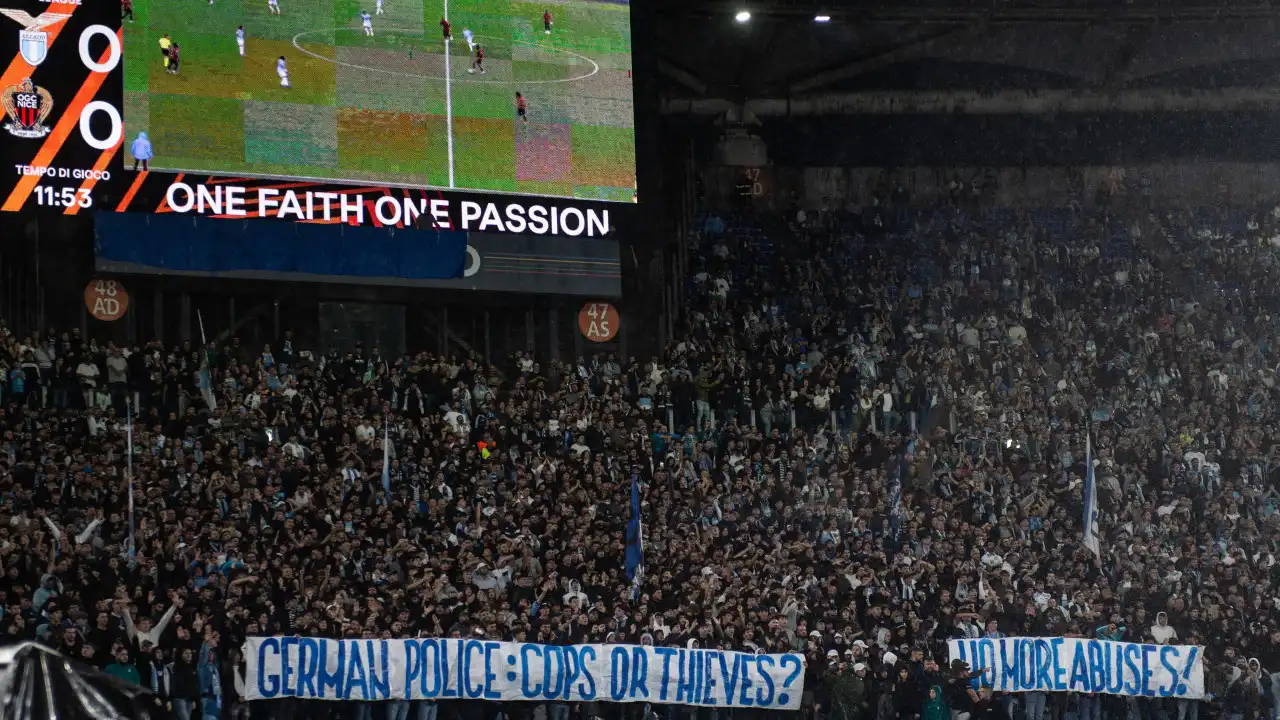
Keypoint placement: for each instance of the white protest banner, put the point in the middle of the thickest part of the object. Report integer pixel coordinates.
(1058, 664)
(429, 669)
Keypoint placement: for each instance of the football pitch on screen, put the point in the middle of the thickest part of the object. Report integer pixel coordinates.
(395, 106)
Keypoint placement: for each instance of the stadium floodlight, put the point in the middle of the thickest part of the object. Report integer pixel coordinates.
(822, 18)
(742, 16)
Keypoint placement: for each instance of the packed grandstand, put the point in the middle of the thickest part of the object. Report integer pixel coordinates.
(862, 444)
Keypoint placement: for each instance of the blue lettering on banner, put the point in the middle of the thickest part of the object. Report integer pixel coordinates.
(1131, 655)
(379, 682)
(1044, 664)
(570, 672)
(1079, 667)
(618, 680)
(587, 691)
(286, 686)
(764, 696)
(432, 668)
(308, 664)
(1027, 663)
(490, 648)
(1115, 666)
(1058, 672)
(1097, 666)
(331, 682)
(1187, 669)
(745, 697)
(412, 666)
(530, 691)
(640, 673)
(553, 691)
(1166, 655)
(432, 655)
(986, 659)
(269, 687)
(355, 674)
(1063, 664)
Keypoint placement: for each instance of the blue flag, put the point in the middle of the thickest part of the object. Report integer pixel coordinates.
(1090, 499)
(386, 460)
(635, 541)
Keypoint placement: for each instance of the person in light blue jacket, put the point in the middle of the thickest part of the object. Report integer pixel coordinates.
(141, 150)
(210, 679)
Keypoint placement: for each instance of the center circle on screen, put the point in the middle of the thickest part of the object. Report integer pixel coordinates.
(595, 67)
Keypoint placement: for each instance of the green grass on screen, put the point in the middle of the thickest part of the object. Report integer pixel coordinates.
(375, 109)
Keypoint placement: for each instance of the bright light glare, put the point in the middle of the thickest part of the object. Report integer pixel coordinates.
(821, 18)
(742, 16)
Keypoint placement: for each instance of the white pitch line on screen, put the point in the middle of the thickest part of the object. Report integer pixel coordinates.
(448, 93)
(595, 67)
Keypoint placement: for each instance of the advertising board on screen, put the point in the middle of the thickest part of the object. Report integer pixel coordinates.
(497, 96)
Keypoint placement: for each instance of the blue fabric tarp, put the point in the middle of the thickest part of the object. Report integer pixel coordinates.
(180, 243)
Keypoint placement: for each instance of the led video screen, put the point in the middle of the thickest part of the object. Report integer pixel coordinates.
(487, 95)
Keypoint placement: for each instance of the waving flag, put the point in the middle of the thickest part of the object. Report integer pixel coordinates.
(1090, 500)
(897, 471)
(128, 418)
(386, 460)
(635, 540)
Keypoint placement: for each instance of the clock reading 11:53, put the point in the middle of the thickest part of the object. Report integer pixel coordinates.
(63, 198)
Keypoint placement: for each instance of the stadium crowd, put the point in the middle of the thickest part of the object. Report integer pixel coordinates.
(766, 439)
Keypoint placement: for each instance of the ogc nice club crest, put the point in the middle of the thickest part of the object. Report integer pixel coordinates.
(27, 107)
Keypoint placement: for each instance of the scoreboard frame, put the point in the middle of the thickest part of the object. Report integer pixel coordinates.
(61, 91)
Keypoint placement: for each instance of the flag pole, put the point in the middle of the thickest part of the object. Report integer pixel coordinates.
(1090, 496)
(386, 457)
(133, 544)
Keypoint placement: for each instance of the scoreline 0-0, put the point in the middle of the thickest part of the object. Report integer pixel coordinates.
(110, 64)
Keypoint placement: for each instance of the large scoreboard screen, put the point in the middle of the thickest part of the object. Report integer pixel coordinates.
(525, 97)
(61, 95)
(362, 97)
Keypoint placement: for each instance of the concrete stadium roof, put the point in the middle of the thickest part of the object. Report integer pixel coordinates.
(982, 46)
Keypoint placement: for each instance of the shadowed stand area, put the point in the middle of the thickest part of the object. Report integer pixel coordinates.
(37, 683)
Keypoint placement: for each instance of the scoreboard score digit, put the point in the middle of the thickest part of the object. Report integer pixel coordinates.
(61, 94)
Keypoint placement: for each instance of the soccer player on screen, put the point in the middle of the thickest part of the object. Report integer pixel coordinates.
(522, 109)
(175, 57)
(471, 39)
(142, 152)
(126, 10)
(378, 10)
(478, 63)
(445, 27)
(546, 20)
(282, 69)
(165, 44)
(240, 39)
(273, 6)
(366, 21)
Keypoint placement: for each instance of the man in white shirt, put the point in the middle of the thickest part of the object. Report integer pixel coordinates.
(87, 372)
(143, 632)
(1161, 632)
